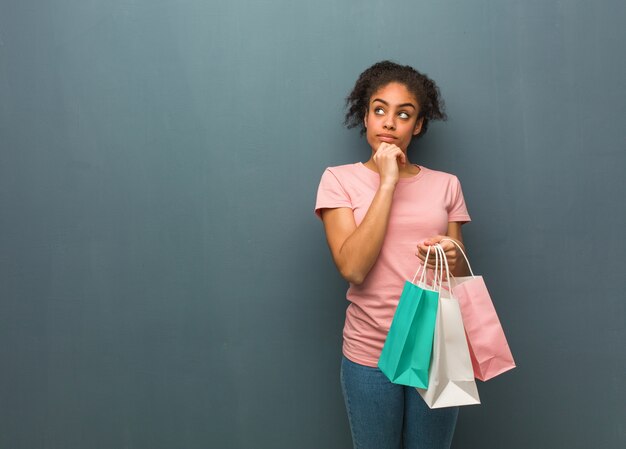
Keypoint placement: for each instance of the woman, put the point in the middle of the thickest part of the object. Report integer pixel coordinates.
(377, 215)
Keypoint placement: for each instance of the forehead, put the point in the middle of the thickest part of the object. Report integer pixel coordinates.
(394, 93)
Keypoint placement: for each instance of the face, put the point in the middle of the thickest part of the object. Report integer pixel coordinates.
(392, 117)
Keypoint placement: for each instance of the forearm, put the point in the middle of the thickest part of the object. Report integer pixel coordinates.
(360, 250)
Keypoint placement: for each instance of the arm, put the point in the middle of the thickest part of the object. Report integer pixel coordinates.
(356, 248)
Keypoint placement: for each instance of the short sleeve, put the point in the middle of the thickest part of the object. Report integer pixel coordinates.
(331, 194)
(457, 210)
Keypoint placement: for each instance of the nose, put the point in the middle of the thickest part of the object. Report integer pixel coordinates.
(389, 122)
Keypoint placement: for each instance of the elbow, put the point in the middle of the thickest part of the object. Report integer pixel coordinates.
(355, 280)
(350, 269)
(353, 277)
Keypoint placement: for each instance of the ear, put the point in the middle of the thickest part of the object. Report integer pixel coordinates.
(365, 118)
(418, 126)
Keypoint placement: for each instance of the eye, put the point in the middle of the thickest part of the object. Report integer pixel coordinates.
(404, 115)
(379, 111)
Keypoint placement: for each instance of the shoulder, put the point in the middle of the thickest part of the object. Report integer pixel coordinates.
(346, 175)
(438, 176)
(337, 187)
(447, 187)
(347, 170)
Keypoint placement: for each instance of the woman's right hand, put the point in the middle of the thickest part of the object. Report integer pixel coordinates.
(388, 157)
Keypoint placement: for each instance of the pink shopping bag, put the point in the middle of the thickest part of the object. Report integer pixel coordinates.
(489, 350)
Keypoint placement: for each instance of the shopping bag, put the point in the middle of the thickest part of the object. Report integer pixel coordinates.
(405, 358)
(489, 350)
(451, 377)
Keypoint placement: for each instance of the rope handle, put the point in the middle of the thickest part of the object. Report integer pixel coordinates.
(462, 252)
(442, 252)
(438, 271)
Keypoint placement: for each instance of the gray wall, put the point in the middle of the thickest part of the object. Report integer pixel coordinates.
(163, 281)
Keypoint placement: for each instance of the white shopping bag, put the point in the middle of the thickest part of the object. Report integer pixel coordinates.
(451, 376)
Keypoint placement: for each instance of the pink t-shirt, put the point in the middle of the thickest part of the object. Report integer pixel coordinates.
(422, 207)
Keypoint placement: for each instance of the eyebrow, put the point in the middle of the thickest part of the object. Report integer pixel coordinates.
(400, 105)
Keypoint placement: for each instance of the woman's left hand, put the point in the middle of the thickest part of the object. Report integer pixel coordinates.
(455, 259)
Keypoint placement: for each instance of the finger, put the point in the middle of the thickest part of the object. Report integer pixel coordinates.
(422, 251)
(382, 146)
(390, 148)
(422, 258)
(451, 255)
(401, 156)
(433, 240)
(387, 152)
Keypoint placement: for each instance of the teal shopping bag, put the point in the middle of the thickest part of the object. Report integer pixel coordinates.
(405, 358)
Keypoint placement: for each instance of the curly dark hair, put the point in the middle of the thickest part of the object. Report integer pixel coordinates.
(382, 73)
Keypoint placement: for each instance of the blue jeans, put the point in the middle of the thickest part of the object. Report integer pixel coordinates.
(384, 415)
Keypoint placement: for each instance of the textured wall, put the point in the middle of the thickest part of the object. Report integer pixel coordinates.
(163, 281)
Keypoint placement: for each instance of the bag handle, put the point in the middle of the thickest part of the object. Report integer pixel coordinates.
(462, 252)
(438, 269)
(442, 253)
(420, 267)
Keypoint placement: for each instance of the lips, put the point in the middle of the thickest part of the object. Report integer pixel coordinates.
(386, 137)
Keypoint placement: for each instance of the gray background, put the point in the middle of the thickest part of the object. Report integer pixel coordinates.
(164, 282)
